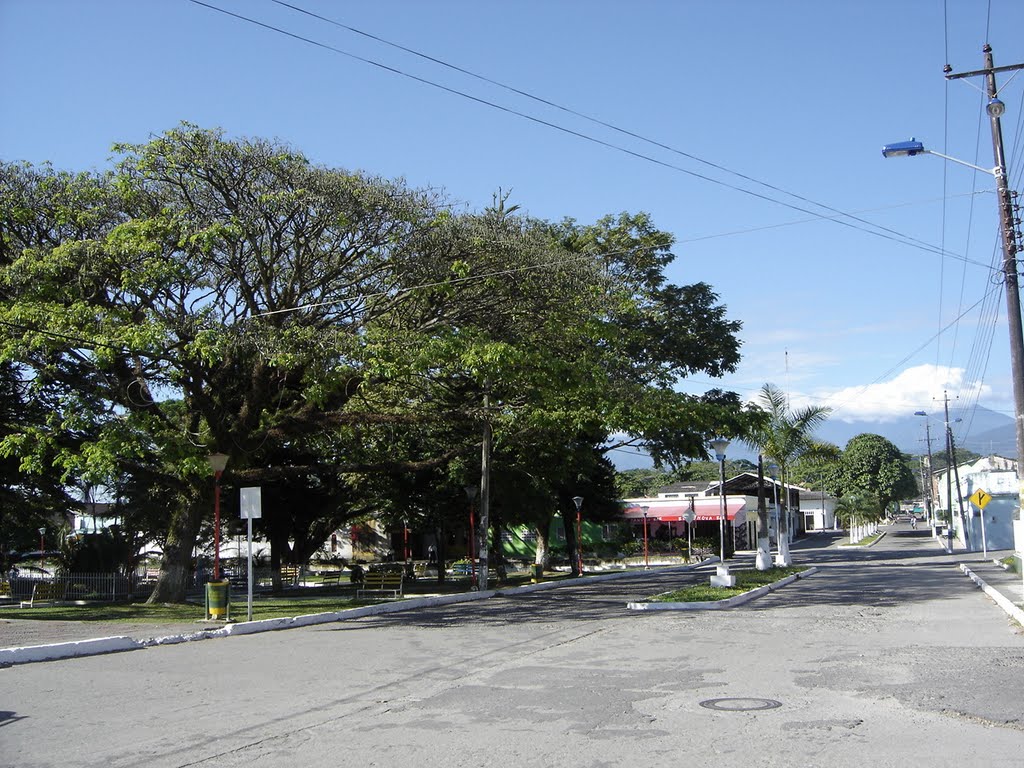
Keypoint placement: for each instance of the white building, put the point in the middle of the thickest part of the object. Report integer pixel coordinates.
(997, 477)
(818, 509)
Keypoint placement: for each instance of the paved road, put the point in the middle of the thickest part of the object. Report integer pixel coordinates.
(887, 656)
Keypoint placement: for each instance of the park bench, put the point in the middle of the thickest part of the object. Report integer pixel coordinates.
(381, 582)
(44, 592)
(290, 575)
(331, 579)
(462, 569)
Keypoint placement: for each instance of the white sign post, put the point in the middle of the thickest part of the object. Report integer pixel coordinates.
(251, 505)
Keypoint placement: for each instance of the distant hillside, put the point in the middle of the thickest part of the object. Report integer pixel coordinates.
(990, 432)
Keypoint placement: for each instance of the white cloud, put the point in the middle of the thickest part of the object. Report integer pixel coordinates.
(915, 389)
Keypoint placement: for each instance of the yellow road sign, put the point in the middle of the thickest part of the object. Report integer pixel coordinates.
(979, 498)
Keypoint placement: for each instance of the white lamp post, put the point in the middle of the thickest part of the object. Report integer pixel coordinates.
(722, 577)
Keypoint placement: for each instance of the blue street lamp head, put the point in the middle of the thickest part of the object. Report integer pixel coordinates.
(719, 446)
(904, 149)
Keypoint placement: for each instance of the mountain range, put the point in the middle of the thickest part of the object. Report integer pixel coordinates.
(986, 432)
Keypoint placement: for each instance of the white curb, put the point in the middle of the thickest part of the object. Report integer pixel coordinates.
(69, 650)
(1001, 600)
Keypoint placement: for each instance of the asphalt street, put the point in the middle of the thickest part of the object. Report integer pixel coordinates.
(886, 656)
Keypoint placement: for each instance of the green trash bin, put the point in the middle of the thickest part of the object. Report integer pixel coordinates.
(218, 600)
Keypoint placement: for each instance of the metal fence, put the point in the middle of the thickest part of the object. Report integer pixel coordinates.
(81, 586)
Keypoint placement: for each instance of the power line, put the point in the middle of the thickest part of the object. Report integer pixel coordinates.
(590, 118)
(878, 231)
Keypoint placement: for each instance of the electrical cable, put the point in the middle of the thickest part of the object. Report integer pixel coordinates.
(589, 118)
(879, 231)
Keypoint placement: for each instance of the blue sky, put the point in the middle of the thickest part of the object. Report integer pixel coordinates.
(797, 94)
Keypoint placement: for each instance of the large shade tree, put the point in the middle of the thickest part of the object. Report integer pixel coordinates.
(873, 465)
(228, 295)
(163, 299)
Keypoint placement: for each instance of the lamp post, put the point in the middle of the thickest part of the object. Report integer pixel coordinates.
(773, 471)
(1008, 230)
(217, 463)
(722, 577)
(647, 562)
(578, 501)
(689, 516)
(42, 547)
(471, 491)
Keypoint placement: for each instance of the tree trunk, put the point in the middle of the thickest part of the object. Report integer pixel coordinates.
(176, 564)
(784, 558)
(542, 556)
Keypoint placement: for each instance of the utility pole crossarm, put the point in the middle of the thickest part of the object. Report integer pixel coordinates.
(987, 71)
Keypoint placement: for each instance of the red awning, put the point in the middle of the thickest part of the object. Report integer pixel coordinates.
(707, 508)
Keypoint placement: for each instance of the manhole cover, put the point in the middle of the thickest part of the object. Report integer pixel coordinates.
(740, 705)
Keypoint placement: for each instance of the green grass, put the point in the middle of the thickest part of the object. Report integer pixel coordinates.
(745, 581)
(865, 542)
(264, 606)
(169, 613)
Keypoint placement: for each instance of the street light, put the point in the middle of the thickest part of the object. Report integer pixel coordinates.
(689, 516)
(647, 562)
(578, 501)
(1008, 230)
(42, 542)
(217, 463)
(914, 147)
(773, 471)
(722, 578)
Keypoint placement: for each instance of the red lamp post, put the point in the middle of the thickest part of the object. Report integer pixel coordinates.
(647, 562)
(217, 463)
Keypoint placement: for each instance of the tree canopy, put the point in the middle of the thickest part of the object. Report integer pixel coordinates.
(871, 464)
(324, 327)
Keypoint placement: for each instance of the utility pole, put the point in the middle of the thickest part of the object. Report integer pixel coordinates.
(949, 472)
(1010, 236)
(485, 489)
(927, 480)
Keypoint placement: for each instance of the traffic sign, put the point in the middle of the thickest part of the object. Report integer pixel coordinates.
(980, 498)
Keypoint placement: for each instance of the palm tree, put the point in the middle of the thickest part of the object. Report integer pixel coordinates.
(782, 436)
(857, 508)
